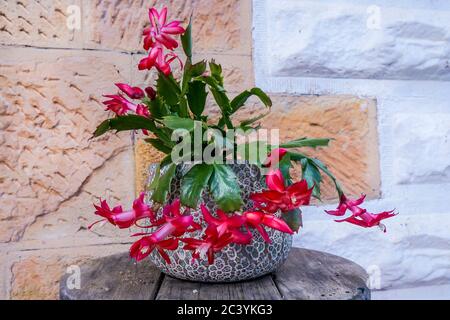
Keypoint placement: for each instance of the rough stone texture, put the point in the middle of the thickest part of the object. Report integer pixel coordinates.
(431, 162)
(39, 23)
(116, 24)
(5, 271)
(354, 40)
(49, 107)
(145, 154)
(351, 122)
(37, 276)
(113, 181)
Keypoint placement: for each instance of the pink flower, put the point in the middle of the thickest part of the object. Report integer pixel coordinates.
(142, 110)
(280, 197)
(160, 30)
(172, 224)
(144, 246)
(359, 215)
(119, 105)
(209, 245)
(221, 231)
(345, 204)
(124, 219)
(131, 92)
(258, 219)
(156, 58)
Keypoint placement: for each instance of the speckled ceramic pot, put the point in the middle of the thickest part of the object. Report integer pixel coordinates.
(235, 262)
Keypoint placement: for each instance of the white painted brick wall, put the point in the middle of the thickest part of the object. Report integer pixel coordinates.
(338, 47)
(346, 39)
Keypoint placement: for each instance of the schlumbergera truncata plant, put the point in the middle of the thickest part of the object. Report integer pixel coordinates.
(215, 209)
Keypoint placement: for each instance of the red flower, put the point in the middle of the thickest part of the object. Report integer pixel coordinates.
(223, 222)
(359, 215)
(124, 219)
(157, 36)
(209, 245)
(160, 30)
(132, 92)
(345, 204)
(142, 110)
(172, 224)
(280, 197)
(258, 219)
(156, 58)
(144, 246)
(119, 105)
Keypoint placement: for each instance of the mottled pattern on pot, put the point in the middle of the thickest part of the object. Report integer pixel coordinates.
(235, 262)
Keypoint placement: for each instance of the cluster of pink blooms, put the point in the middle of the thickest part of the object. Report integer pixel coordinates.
(157, 39)
(121, 106)
(222, 228)
(118, 104)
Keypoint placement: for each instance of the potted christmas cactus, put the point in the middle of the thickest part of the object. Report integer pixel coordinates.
(219, 206)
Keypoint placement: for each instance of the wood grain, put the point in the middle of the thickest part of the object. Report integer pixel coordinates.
(259, 289)
(113, 278)
(314, 275)
(307, 274)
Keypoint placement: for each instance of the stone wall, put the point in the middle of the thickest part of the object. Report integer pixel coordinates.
(398, 55)
(51, 81)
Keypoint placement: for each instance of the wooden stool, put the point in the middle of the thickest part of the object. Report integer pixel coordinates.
(307, 274)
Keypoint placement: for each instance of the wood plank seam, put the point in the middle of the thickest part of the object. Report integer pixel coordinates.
(158, 285)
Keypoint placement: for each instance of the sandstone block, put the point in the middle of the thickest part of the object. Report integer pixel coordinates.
(37, 276)
(50, 107)
(349, 121)
(218, 26)
(41, 23)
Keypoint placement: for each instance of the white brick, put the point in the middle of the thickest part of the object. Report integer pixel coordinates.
(422, 148)
(347, 39)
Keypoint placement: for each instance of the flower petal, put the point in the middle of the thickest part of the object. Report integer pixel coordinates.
(276, 223)
(275, 180)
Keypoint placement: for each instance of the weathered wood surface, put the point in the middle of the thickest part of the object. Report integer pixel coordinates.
(114, 277)
(307, 274)
(315, 275)
(260, 289)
